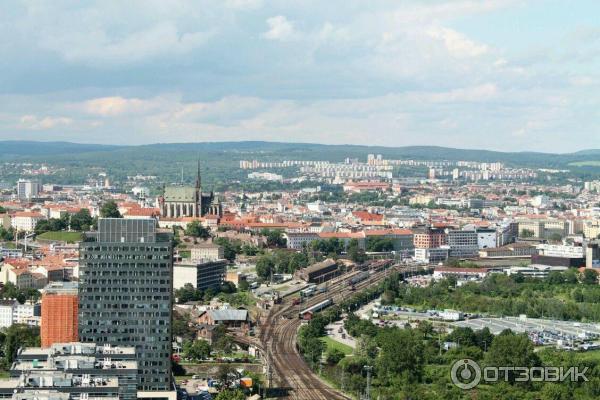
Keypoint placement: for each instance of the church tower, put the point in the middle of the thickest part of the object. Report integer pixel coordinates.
(198, 192)
(198, 178)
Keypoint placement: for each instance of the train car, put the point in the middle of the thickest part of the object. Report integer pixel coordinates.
(309, 291)
(313, 309)
(380, 265)
(358, 278)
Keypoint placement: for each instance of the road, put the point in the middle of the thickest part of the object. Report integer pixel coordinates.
(291, 375)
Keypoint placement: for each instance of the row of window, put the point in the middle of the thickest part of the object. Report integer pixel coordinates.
(85, 298)
(103, 248)
(122, 271)
(129, 314)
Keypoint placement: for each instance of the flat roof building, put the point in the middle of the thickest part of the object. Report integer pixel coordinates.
(126, 294)
(60, 306)
(202, 275)
(75, 371)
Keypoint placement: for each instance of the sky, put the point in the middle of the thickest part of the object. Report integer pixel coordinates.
(508, 75)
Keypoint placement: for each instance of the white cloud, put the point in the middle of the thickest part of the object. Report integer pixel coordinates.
(409, 72)
(116, 106)
(33, 122)
(244, 4)
(458, 45)
(97, 46)
(279, 28)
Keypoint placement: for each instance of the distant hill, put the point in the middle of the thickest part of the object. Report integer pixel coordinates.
(590, 152)
(32, 148)
(234, 151)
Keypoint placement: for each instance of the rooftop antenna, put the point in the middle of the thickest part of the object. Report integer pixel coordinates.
(182, 176)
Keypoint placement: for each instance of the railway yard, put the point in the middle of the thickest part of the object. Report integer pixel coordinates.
(292, 378)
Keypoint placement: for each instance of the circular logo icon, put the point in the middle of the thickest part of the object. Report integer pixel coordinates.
(465, 374)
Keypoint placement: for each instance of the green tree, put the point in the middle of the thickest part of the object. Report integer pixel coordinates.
(182, 327)
(110, 210)
(484, 338)
(227, 375)
(230, 394)
(589, 277)
(334, 356)
(265, 265)
(426, 328)
(223, 341)
(555, 278)
(243, 285)
(7, 234)
(527, 233)
(366, 347)
(230, 250)
(379, 244)
(510, 349)
(188, 293)
(408, 362)
(16, 336)
(274, 237)
(81, 220)
(197, 349)
(355, 252)
(195, 229)
(50, 225)
(464, 336)
(555, 391)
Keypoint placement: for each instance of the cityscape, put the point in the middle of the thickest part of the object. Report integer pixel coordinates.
(245, 200)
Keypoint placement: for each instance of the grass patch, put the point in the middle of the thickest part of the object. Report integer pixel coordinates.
(69, 237)
(334, 344)
(185, 253)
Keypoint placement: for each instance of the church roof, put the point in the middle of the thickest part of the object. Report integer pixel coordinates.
(180, 193)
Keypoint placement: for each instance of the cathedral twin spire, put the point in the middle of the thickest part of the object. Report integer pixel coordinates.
(198, 178)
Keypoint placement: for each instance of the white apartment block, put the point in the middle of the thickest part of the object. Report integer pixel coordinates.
(26, 220)
(27, 189)
(12, 312)
(207, 252)
(559, 250)
(298, 240)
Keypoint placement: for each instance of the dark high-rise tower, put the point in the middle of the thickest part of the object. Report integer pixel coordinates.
(125, 294)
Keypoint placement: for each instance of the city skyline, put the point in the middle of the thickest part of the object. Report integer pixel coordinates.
(501, 75)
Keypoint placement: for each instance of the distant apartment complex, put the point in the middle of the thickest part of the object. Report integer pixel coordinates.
(27, 189)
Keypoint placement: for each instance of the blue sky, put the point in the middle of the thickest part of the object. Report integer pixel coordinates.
(498, 74)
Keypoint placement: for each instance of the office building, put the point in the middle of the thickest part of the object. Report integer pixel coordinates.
(207, 252)
(429, 238)
(592, 255)
(27, 189)
(60, 305)
(202, 275)
(75, 371)
(463, 243)
(126, 294)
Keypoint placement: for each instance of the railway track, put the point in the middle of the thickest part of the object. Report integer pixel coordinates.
(293, 378)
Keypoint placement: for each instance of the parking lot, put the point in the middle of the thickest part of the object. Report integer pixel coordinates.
(541, 331)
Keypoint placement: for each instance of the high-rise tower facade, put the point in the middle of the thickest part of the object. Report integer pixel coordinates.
(126, 294)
